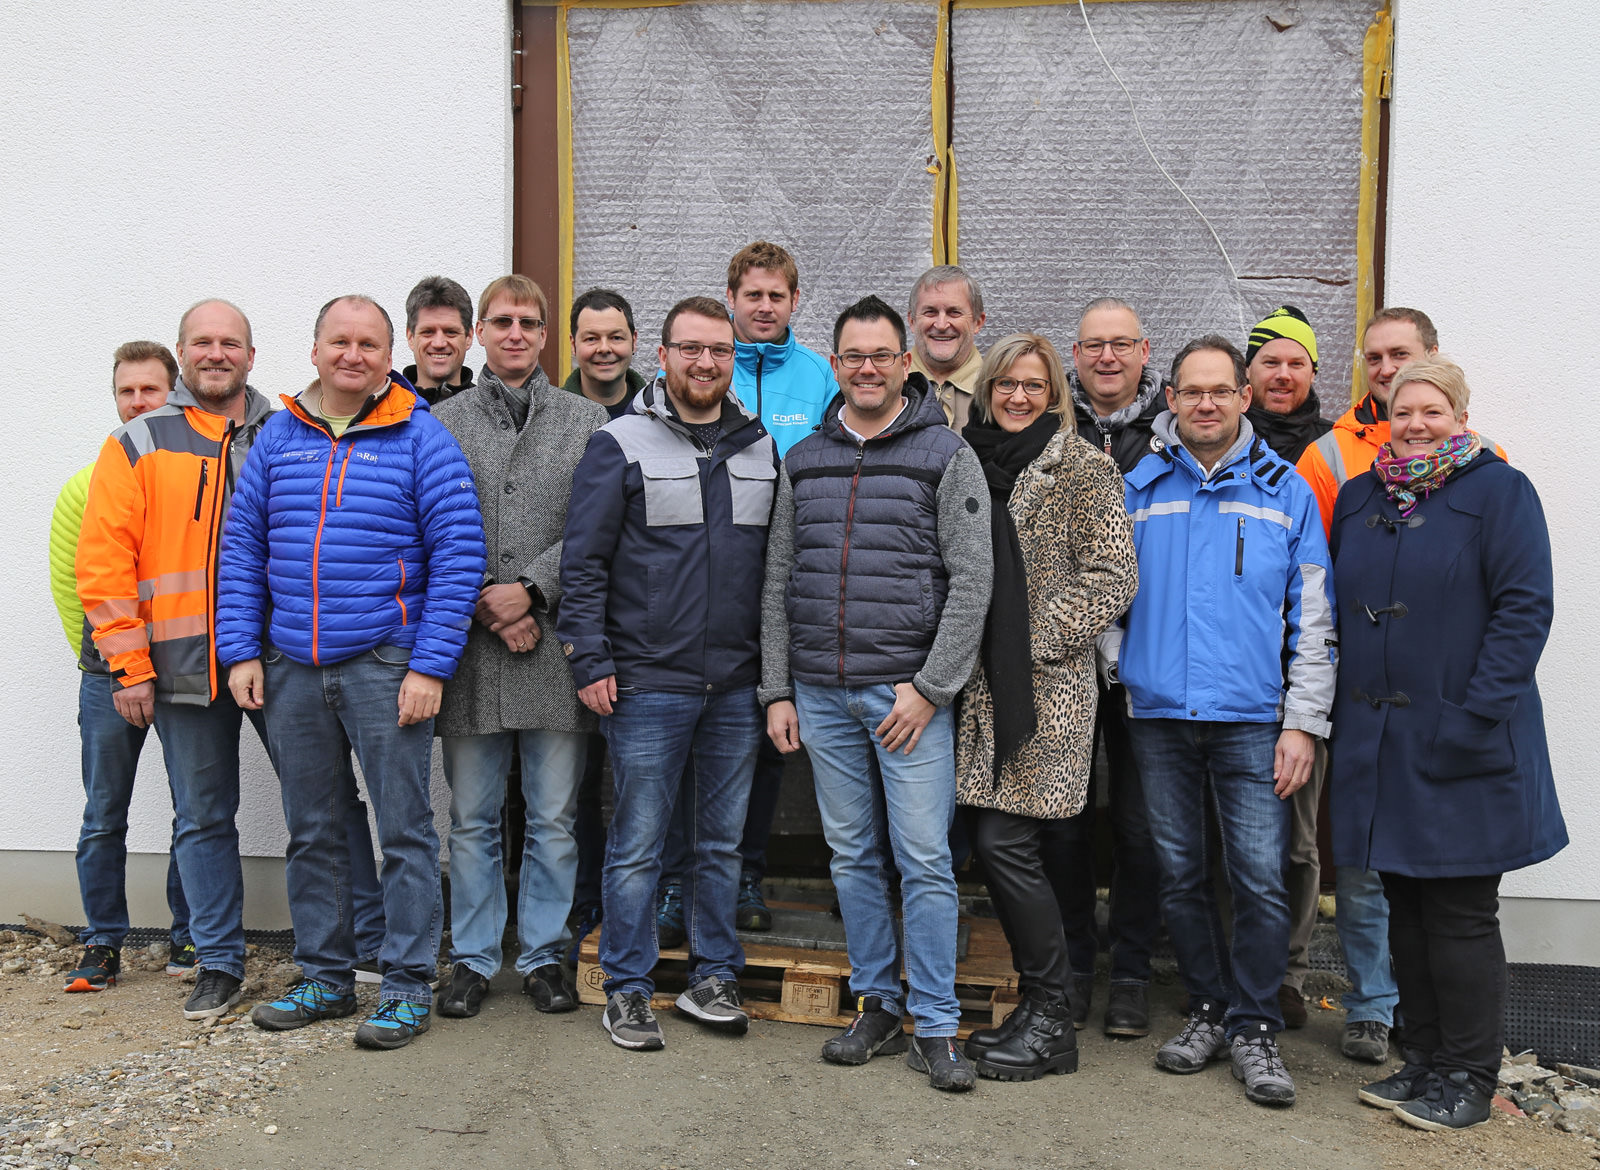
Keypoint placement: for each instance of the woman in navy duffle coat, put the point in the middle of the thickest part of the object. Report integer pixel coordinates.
(1441, 775)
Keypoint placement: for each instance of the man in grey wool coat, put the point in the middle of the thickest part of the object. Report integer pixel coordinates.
(514, 691)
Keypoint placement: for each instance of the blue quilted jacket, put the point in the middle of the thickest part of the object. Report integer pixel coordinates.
(337, 546)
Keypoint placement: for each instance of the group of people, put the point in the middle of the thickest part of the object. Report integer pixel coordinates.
(945, 574)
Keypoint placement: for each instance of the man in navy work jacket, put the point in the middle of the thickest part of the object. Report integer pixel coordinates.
(660, 620)
(1228, 658)
(350, 571)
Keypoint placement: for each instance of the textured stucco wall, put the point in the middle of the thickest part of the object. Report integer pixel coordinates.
(273, 154)
(1492, 231)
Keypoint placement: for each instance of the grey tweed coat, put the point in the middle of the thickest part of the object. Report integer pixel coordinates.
(524, 479)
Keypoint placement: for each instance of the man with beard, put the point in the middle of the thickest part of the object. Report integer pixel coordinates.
(146, 569)
(665, 540)
(1282, 363)
(439, 333)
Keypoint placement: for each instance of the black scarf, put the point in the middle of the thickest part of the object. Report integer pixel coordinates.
(1007, 657)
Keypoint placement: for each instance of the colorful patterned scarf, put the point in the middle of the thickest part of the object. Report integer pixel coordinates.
(1410, 480)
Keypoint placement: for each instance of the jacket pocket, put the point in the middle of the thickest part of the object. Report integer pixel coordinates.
(1467, 745)
(751, 483)
(930, 616)
(671, 491)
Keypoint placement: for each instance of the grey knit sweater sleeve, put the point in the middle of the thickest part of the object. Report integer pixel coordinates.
(775, 683)
(968, 552)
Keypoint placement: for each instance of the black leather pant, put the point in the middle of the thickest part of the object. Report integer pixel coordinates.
(1008, 847)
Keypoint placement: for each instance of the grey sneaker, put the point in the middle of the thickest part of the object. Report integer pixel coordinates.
(1366, 1041)
(717, 1004)
(1257, 1064)
(631, 1023)
(1202, 1040)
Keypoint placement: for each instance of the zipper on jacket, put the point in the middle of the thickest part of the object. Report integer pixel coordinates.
(761, 415)
(398, 600)
(316, 558)
(338, 499)
(200, 490)
(844, 557)
(1238, 551)
(214, 552)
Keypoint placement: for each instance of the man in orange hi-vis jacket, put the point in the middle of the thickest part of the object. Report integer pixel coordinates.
(146, 570)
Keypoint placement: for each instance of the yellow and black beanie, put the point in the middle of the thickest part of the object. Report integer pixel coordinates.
(1284, 321)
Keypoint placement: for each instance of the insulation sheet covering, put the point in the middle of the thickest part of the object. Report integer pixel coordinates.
(701, 127)
(1253, 107)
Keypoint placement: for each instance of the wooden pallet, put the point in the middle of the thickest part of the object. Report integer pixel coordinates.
(801, 986)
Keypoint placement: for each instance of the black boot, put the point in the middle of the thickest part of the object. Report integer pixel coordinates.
(983, 1039)
(1045, 1041)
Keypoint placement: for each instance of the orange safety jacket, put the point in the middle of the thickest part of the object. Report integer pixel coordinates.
(147, 553)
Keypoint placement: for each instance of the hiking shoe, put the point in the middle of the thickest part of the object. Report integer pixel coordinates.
(980, 1040)
(1079, 995)
(1128, 1010)
(214, 993)
(939, 1057)
(547, 987)
(464, 996)
(394, 1024)
(669, 917)
(875, 1029)
(367, 971)
(717, 1004)
(304, 1003)
(1366, 1041)
(752, 913)
(1257, 1064)
(1044, 1041)
(580, 924)
(97, 971)
(1406, 1085)
(1292, 1005)
(631, 1023)
(1447, 1102)
(180, 958)
(1202, 1040)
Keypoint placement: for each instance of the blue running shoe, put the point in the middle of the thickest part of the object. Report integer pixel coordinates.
(304, 1003)
(393, 1025)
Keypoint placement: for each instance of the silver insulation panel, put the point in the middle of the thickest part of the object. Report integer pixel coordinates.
(1254, 107)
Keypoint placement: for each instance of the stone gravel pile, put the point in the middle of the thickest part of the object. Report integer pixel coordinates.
(1567, 1096)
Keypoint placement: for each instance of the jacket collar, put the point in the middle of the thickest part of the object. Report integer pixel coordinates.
(393, 405)
(964, 377)
(770, 354)
(922, 410)
(256, 407)
(1147, 403)
(574, 382)
(437, 394)
(652, 402)
(1263, 466)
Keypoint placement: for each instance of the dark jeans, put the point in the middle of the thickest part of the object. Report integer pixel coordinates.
(1444, 935)
(589, 827)
(1011, 849)
(757, 820)
(1068, 856)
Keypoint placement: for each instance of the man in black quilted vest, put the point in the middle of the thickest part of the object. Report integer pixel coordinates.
(879, 566)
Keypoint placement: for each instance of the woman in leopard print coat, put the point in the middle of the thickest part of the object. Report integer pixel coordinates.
(1073, 573)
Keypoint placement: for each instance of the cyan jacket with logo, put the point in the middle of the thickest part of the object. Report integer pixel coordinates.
(785, 385)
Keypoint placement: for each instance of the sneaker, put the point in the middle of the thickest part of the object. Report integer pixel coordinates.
(547, 987)
(938, 1056)
(1292, 1005)
(631, 1023)
(1128, 1010)
(1257, 1064)
(875, 1029)
(304, 1003)
(752, 913)
(1366, 1041)
(717, 1004)
(580, 924)
(1082, 994)
(214, 993)
(180, 958)
(98, 970)
(1447, 1102)
(669, 917)
(464, 996)
(367, 971)
(1406, 1085)
(1202, 1040)
(394, 1024)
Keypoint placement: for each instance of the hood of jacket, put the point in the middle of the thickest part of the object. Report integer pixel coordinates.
(922, 409)
(1166, 429)
(652, 401)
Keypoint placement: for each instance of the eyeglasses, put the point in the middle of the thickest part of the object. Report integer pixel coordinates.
(882, 359)
(1221, 396)
(529, 324)
(1121, 346)
(1033, 387)
(691, 350)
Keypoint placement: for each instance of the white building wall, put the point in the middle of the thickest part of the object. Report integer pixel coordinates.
(1494, 231)
(156, 153)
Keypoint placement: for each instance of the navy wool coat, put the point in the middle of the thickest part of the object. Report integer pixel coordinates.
(1439, 761)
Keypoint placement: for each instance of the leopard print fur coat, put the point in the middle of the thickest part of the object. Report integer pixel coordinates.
(1077, 549)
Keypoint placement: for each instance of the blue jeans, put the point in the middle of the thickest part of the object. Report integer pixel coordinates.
(1185, 765)
(869, 797)
(1363, 922)
(313, 715)
(764, 792)
(653, 736)
(201, 746)
(366, 892)
(111, 747)
(476, 767)
(589, 826)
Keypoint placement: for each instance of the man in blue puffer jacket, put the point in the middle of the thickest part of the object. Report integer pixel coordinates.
(1228, 659)
(355, 544)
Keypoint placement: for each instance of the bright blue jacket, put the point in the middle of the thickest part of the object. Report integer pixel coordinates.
(1235, 590)
(784, 384)
(370, 539)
